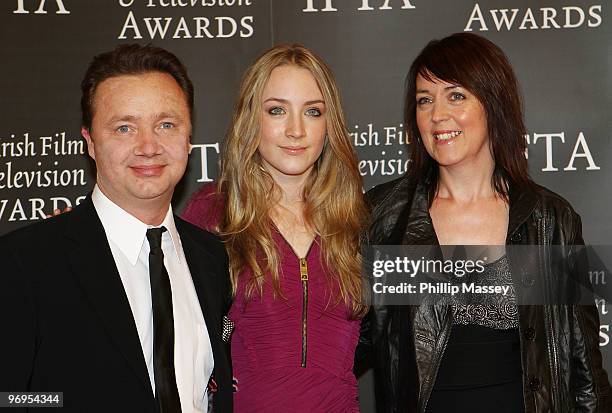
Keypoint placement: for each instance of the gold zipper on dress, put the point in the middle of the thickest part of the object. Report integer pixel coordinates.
(304, 279)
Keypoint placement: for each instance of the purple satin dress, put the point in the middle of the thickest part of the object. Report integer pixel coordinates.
(293, 353)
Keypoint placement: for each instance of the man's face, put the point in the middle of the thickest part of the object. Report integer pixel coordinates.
(139, 138)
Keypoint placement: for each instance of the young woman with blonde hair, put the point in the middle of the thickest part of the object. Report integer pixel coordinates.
(289, 207)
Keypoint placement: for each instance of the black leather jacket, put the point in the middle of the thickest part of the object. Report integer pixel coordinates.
(561, 360)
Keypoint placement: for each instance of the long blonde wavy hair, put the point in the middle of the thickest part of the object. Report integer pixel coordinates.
(333, 198)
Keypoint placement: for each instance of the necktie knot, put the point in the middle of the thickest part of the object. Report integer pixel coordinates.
(154, 236)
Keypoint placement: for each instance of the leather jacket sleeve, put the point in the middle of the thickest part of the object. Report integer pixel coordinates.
(591, 389)
(364, 345)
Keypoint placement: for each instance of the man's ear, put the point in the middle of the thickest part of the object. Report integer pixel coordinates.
(90, 143)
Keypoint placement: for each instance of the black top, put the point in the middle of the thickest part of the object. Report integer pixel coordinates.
(480, 370)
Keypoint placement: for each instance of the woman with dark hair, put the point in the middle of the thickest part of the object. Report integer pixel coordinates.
(469, 185)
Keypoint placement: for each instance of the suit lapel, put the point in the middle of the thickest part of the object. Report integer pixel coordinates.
(94, 268)
(203, 269)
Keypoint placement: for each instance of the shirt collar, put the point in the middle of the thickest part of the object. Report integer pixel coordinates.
(126, 231)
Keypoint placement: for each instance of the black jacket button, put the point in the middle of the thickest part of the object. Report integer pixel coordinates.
(534, 384)
(516, 237)
(530, 333)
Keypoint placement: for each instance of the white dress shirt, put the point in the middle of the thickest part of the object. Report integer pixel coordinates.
(193, 358)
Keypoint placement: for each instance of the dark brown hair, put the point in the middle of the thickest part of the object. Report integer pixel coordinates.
(482, 68)
(131, 59)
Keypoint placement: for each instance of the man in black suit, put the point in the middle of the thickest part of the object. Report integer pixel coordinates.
(119, 304)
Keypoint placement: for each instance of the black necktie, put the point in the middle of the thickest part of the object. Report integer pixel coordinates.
(166, 392)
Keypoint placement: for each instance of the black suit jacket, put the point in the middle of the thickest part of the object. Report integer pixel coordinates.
(66, 322)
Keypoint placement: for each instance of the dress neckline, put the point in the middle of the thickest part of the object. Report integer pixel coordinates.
(284, 240)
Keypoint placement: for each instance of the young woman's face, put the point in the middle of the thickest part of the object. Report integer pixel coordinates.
(452, 123)
(293, 122)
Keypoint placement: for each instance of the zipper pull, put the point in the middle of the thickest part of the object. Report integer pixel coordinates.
(303, 269)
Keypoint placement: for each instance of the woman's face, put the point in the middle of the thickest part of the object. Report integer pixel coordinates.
(293, 123)
(452, 123)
